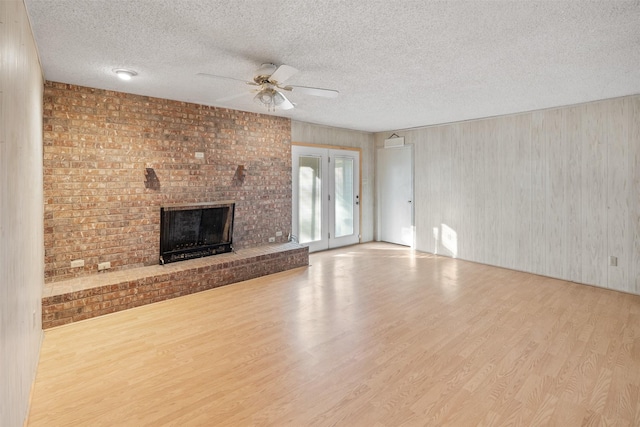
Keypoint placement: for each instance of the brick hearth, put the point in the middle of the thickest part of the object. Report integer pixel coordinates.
(86, 297)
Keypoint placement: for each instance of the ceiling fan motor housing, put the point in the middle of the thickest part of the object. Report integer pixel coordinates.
(263, 73)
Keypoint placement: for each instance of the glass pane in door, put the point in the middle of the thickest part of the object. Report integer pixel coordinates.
(344, 209)
(309, 199)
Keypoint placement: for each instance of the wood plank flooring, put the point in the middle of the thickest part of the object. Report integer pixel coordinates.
(369, 335)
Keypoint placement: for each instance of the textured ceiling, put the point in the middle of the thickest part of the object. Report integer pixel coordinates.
(397, 64)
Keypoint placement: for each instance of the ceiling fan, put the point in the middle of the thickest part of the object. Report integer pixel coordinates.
(269, 87)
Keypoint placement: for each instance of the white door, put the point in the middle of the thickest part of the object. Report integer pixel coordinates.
(326, 200)
(394, 178)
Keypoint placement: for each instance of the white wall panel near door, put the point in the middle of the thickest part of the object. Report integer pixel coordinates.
(634, 205)
(553, 192)
(539, 196)
(594, 195)
(521, 174)
(494, 193)
(467, 197)
(573, 153)
(555, 238)
(619, 191)
(454, 220)
(469, 235)
(429, 170)
(445, 167)
(467, 200)
(507, 147)
(485, 190)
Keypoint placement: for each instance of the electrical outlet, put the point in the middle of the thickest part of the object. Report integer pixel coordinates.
(104, 266)
(77, 263)
(199, 155)
(278, 233)
(613, 261)
(272, 239)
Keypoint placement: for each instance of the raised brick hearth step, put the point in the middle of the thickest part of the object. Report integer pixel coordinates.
(91, 296)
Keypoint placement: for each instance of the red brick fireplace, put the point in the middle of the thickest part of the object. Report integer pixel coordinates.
(112, 160)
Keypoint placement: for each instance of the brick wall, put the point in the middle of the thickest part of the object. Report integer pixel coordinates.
(84, 298)
(97, 146)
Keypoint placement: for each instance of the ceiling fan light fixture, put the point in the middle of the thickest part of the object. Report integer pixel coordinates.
(124, 74)
(264, 97)
(269, 98)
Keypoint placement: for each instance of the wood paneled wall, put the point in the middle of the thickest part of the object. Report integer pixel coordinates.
(554, 192)
(326, 135)
(21, 212)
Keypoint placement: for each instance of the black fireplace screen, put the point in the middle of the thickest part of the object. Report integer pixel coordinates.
(195, 231)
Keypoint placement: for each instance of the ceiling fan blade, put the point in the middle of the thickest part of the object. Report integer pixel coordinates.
(315, 91)
(284, 104)
(282, 74)
(232, 97)
(227, 78)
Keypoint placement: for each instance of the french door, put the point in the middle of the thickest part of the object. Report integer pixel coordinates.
(326, 199)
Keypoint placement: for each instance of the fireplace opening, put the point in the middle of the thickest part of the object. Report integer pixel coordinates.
(195, 231)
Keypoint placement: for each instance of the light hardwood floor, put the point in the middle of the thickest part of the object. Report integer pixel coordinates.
(369, 335)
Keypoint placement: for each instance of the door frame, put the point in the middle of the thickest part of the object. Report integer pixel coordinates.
(334, 147)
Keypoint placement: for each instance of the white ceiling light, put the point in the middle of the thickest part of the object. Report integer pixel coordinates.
(124, 74)
(271, 98)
